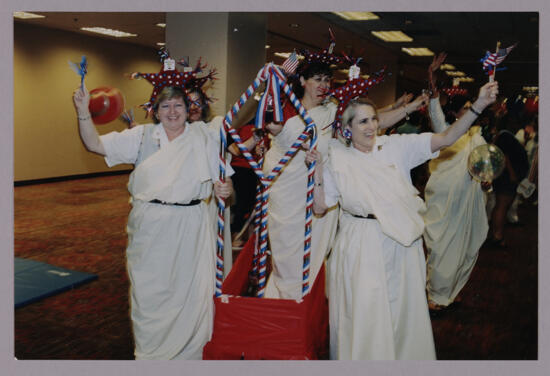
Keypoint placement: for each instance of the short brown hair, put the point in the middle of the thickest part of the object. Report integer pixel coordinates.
(169, 92)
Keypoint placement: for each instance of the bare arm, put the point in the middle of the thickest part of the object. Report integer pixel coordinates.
(86, 127)
(436, 63)
(389, 118)
(402, 100)
(487, 95)
(249, 144)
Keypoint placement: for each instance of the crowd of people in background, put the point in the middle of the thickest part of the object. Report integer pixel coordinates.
(398, 222)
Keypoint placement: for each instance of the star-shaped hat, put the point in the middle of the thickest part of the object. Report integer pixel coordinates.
(354, 87)
(170, 76)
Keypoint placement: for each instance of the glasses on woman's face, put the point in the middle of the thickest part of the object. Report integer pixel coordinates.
(196, 103)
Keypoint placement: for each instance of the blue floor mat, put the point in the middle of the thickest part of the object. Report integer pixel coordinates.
(37, 280)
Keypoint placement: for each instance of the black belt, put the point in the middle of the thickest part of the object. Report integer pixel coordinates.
(190, 203)
(370, 216)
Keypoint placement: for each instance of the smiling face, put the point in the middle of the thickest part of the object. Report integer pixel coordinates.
(172, 113)
(363, 126)
(195, 107)
(315, 88)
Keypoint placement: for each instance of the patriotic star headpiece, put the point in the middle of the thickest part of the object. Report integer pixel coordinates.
(325, 56)
(355, 86)
(170, 76)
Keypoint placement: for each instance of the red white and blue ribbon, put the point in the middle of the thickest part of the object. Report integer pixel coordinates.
(260, 263)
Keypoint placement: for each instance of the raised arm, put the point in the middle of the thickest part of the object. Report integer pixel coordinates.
(487, 95)
(436, 115)
(86, 127)
(389, 118)
(402, 100)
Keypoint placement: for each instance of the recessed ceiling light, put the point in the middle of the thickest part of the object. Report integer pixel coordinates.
(447, 67)
(357, 16)
(392, 36)
(161, 44)
(455, 73)
(419, 51)
(27, 15)
(464, 79)
(160, 24)
(111, 32)
(267, 46)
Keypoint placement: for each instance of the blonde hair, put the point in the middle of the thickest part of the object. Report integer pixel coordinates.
(349, 112)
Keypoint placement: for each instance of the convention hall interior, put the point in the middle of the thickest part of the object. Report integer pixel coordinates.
(71, 209)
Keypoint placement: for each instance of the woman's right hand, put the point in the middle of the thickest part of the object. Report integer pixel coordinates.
(81, 99)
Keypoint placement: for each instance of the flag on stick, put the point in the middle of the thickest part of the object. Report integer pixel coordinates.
(290, 64)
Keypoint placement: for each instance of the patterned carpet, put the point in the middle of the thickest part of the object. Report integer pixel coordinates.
(80, 225)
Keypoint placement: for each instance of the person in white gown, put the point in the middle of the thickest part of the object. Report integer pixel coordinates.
(287, 198)
(377, 299)
(171, 245)
(456, 219)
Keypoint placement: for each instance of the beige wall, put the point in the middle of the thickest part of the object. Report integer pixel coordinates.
(46, 140)
(233, 43)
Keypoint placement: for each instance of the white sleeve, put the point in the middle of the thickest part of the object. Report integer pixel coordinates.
(329, 185)
(413, 149)
(437, 116)
(122, 147)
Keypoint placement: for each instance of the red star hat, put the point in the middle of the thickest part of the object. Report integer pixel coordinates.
(353, 88)
(326, 56)
(170, 76)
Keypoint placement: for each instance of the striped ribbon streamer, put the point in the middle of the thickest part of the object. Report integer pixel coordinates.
(277, 78)
(221, 211)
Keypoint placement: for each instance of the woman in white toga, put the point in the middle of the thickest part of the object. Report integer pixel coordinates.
(171, 242)
(377, 299)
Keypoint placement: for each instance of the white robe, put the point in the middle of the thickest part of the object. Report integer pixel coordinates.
(456, 219)
(287, 204)
(171, 249)
(377, 305)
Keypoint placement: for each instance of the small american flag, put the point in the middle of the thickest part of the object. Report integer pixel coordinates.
(290, 64)
(493, 59)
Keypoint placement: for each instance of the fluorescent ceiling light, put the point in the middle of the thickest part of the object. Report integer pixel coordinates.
(161, 24)
(420, 51)
(530, 88)
(27, 15)
(392, 36)
(161, 44)
(455, 73)
(357, 16)
(285, 55)
(111, 32)
(464, 79)
(267, 46)
(447, 67)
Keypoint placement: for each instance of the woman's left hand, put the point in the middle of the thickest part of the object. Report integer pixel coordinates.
(223, 190)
